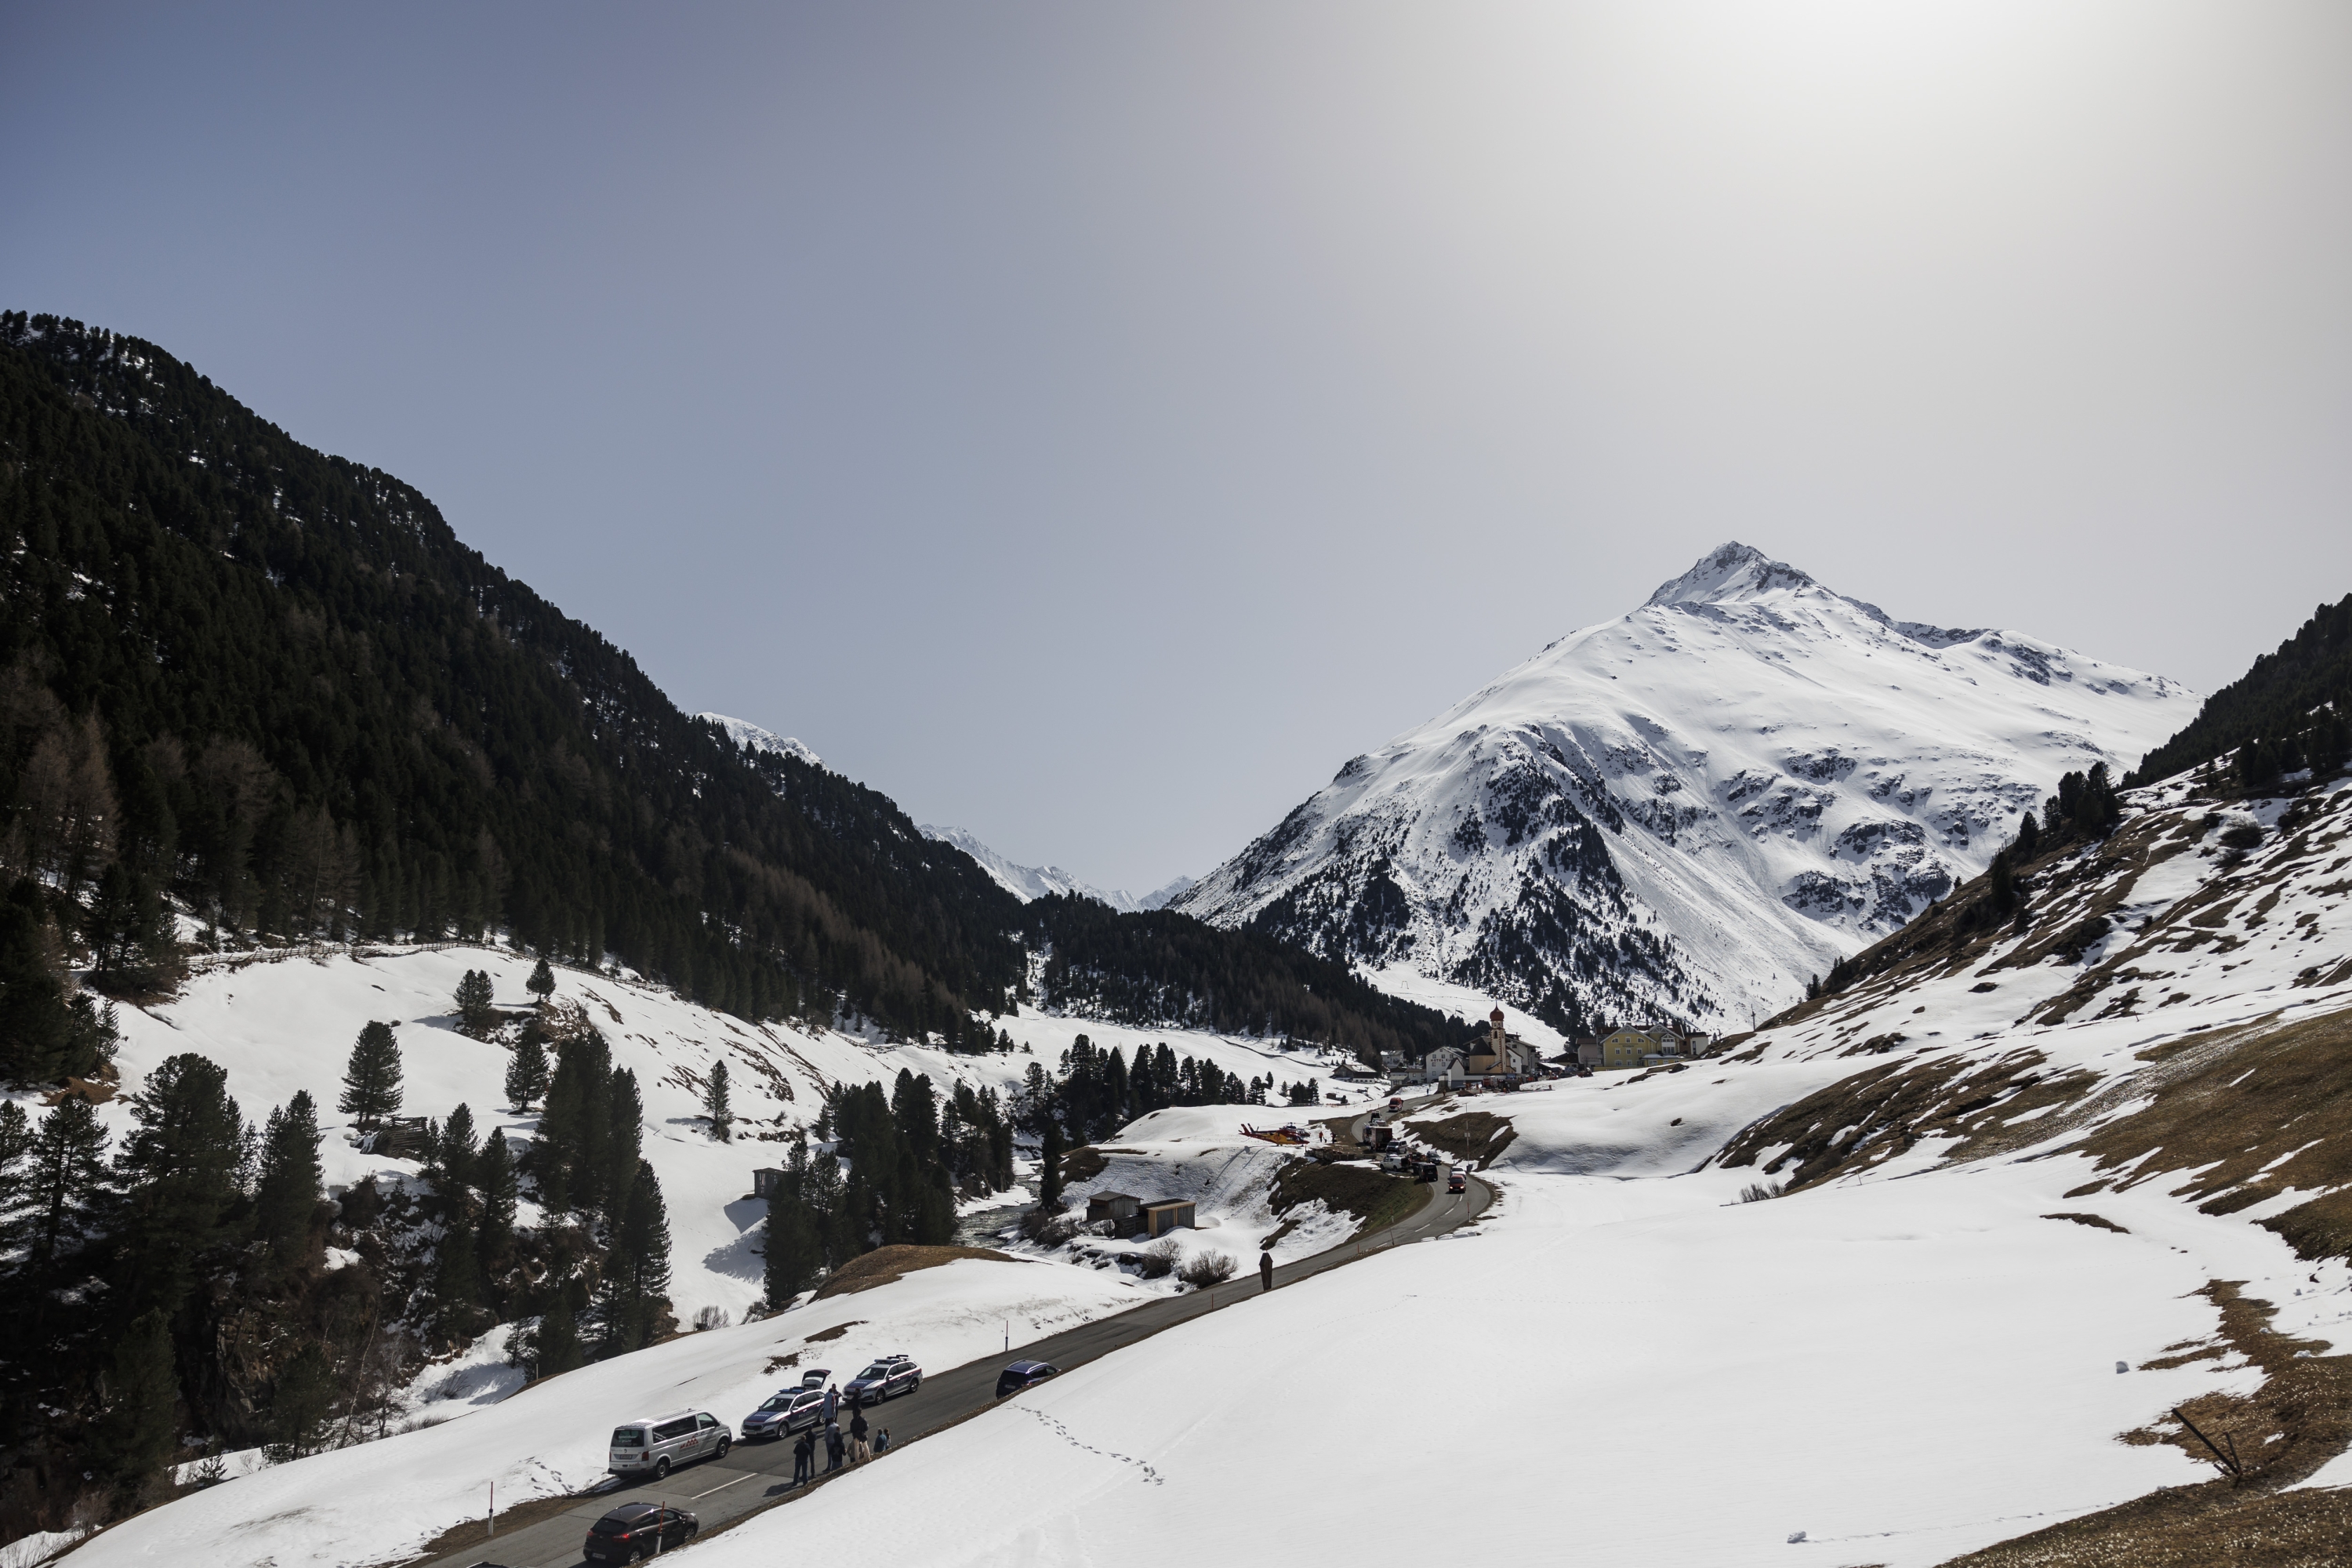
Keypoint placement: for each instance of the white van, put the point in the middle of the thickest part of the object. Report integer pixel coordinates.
(659, 1443)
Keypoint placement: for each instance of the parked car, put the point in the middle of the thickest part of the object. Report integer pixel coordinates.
(885, 1378)
(1021, 1374)
(637, 1529)
(659, 1443)
(788, 1411)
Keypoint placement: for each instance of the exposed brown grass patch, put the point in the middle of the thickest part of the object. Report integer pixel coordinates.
(884, 1264)
(1479, 1135)
(1086, 1163)
(1375, 1198)
(1881, 1112)
(2299, 1419)
(2098, 1221)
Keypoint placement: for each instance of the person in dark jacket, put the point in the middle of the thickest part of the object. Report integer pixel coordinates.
(1265, 1271)
(857, 1422)
(832, 1446)
(882, 1441)
(804, 1457)
(832, 1401)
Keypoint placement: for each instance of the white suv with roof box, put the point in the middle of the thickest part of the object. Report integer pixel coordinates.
(659, 1443)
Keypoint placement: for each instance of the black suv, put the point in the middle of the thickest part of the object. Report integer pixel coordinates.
(1021, 1374)
(637, 1529)
(886, 1378)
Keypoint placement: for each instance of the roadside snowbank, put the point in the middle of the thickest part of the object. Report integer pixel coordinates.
(379, 1501)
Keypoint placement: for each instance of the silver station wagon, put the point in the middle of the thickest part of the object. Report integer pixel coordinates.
(659, 1443)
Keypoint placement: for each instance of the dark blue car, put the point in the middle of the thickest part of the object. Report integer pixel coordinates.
(1021, 1374)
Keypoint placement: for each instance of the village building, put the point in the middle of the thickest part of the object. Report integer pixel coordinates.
(1656, 1047)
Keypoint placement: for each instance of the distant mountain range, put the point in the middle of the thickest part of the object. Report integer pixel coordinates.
(1688, 811)
(1027, 883)
(1031, 882)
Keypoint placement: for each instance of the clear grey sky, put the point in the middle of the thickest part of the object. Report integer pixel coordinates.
(1092, 423)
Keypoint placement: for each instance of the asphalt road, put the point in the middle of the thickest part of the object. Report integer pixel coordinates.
(757, 1476)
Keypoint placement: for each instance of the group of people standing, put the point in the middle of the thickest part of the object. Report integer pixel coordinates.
(857, 1446)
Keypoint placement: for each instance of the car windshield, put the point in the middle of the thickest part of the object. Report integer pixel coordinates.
(628, 1437)
(879, 1369)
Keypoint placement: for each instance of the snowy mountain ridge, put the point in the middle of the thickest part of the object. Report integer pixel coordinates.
(743, 732)
(1029, 882)
(1689, 810)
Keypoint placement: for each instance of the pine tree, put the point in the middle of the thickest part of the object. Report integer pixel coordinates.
(557, 1342)
(714, 1102)
(302, 1402)
(372, 1090)
(457, 1277)
(285, 1194)
(65, 1177)
(624, 1138)
(494, 1175)
(2004, 884)
(1049, 1177)
(456, 1152)
(637, 1274)
(526, 1073)
(794, 1252)
(477, 1001)
(542, 983)
(33, 1018)
(2029, 836)
(180, 1164)
(138, 1433)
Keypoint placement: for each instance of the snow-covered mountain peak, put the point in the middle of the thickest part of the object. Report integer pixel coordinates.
(743, 732)
(1731, 572)
(1691, 808)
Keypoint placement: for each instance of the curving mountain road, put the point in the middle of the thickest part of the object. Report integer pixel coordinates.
(752, 1477)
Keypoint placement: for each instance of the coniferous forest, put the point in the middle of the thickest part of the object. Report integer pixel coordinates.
(253, 696)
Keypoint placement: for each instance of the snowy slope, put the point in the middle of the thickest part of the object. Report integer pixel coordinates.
(1914, 1358)
(284, 1025)
(1689, 809)
(743, 732)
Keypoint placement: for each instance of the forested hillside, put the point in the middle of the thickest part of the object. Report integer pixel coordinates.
(2288, 711)
(274, 683)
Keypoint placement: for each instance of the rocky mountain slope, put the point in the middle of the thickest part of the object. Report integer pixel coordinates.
(1691, 809)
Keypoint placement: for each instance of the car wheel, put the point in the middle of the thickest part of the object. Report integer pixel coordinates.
(661, 1468)
(723, 1446)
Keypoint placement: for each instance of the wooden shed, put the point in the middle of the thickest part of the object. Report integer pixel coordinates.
(1122, 1208)
(766, 1182)
(1170, 1214)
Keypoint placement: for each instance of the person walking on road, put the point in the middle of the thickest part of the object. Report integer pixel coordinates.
(832, 1401)
(858, 1427)
(832, 1446)
(1266, 1270)
(804, 1457)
